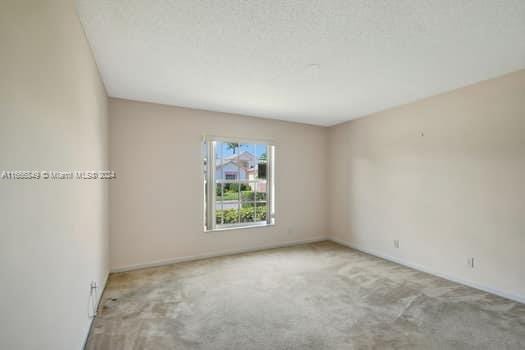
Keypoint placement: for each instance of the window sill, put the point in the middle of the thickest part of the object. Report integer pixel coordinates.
(239, 227)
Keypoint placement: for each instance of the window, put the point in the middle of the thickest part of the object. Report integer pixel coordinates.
(238, 183)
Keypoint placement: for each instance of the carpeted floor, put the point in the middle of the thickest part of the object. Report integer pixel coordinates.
(313, 296)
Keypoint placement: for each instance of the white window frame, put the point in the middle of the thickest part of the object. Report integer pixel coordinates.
(210, 194)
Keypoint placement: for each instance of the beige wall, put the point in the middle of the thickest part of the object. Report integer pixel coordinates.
(156, 200)
(445, 176)
(53, 234)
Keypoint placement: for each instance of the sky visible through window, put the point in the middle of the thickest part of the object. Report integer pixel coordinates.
(256, 149)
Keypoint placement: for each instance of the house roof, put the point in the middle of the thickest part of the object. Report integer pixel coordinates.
(249, 154)
(234, 158)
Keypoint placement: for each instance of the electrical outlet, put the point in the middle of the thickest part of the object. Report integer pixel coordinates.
(396, 243)
(290, 230)
(470, 262)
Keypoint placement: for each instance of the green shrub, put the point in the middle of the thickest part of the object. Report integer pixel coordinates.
(233, 187)
(231, 216)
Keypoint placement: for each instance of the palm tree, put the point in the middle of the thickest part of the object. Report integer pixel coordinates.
(232, 146)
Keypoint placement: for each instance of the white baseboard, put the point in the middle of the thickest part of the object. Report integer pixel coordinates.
(215, 254)
(503, 294)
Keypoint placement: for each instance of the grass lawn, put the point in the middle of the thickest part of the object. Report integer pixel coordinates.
(246, 196)
(230, 195)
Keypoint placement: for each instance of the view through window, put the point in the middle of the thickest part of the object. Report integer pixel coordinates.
(238, 184)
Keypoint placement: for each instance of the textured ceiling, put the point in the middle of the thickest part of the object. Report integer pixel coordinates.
(318, 62)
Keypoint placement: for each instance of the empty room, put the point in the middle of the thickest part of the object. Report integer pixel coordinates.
(252, 175)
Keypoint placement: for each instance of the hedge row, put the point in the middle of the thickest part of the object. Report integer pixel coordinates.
(245, 196)
(232, 187)
(231, 216)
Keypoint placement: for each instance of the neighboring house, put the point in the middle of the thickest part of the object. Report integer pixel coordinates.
(241, 167)
(237, 167)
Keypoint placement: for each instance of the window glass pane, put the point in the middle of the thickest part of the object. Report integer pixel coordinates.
(219, 207)
(219, 191)
(248, 161)
(261, 190)
(260, 211)
(218, 160)
(248, 212)
(245, 149)
(226, 162)
(233, 190)
(228, 215)
(247, 194)
(261, 158)
(253, 212)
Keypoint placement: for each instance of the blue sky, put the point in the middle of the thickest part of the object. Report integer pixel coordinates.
(257, 149)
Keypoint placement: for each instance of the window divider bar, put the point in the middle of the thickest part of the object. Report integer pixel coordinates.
(268, 183)
(238, 182)
(222, 185)
(211, 186)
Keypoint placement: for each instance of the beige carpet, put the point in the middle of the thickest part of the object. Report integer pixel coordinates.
(313, 296)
